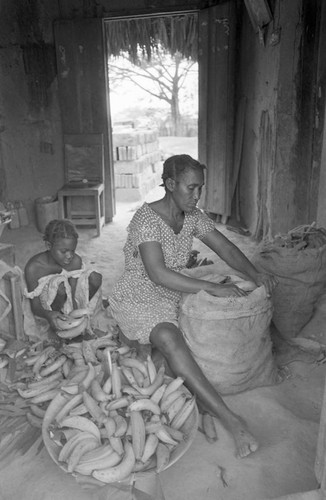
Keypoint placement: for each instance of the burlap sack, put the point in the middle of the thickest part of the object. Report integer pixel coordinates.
(302, 278)
(230, 338)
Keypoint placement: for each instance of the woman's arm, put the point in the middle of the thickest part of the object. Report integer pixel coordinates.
(153, 260)
(233, 256)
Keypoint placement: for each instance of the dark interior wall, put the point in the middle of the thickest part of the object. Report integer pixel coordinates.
(101, 8)
(280, 167)
(320, 136)
(31, 162)
(296, 178)
(268, 73)
(31, 149)
(278, 180)
(257, 86)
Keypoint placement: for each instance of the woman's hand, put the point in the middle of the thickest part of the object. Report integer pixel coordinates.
(225, 290)
(268, 280)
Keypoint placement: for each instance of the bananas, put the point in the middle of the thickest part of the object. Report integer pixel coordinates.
(70, 322)
(68, 407)
(79, 313)
(184, 413)
(107, 458)
(138, 433)
(82, 424)
(149, 447)
(72, 442)
(121, 470)
(52, 367)
(79, 450)
(145, 404)
(117, 413)
(72, 328)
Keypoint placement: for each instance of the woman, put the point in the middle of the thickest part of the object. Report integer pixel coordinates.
(145, 300)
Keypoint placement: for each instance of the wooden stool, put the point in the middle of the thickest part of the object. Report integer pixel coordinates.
(83, 216)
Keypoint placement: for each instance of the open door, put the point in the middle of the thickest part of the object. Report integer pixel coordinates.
(82, 80)
(217, 32)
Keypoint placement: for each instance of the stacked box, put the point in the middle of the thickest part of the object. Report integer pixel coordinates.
(137, 166)
(131, 194)
(137, 162)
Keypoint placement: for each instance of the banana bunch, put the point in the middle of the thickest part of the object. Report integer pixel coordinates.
(116, 414)
(44, 372)
(47, 370)
(75, 324)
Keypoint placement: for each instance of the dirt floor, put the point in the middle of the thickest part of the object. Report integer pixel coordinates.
(284, 417)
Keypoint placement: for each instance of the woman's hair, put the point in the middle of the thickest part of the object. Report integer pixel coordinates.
(59, 229)
(174, 166)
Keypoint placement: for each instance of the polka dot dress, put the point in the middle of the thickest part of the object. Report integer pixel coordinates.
(138, 304)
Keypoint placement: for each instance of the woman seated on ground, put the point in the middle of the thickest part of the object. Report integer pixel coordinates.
(145, 300)
(57, 280)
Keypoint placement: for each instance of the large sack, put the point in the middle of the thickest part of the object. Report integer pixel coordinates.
(230, 337)
(302, 277)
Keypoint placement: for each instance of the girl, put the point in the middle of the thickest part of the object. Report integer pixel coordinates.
(57, 281)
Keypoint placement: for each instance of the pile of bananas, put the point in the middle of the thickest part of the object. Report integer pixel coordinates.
(103, 411)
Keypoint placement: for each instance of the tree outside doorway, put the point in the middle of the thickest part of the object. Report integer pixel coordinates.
(162, 92)
(153, 93)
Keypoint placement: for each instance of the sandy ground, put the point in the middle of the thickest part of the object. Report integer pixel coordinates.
(284, 418)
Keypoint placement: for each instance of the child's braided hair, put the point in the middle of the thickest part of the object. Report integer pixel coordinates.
(59, 229)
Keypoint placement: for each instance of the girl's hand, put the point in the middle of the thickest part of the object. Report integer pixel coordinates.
(54, 316)
(226, 290)
(268, 280)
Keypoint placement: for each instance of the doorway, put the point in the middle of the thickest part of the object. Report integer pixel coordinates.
(153, 94)
(81, 46)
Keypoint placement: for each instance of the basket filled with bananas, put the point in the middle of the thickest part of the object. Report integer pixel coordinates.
(116, 415)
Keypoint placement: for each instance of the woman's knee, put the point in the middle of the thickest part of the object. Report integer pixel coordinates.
(166, 337)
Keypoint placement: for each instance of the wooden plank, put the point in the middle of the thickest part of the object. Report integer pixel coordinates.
(203, 62)
(217, 27)
(259, 13)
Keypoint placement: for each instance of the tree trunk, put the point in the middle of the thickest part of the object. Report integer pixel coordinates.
(176, 117)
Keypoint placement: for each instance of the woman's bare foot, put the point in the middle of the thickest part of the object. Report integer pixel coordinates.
(244, 441)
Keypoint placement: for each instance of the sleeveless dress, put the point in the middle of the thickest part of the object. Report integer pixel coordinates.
(47, 290)
(137, 304)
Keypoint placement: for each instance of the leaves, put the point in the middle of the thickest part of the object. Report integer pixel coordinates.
(143, 37)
